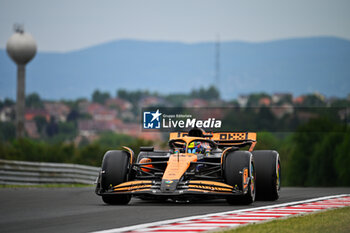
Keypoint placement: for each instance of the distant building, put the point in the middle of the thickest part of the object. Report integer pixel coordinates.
(92, 127)
(123, 107)
(150, 101)
(57, 110)
(30, 114)
(196, 103)
(100, 112)
(83, 105)
(220, 103)
(7, 114)
(119, 104)
(299, 100)
(31, 129)
(320, 96)
(242, 100)
(265, 101)
(281, 97)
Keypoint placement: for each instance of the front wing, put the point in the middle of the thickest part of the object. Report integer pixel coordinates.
(192, 187)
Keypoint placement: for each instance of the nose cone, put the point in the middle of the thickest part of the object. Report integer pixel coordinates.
(21, 47)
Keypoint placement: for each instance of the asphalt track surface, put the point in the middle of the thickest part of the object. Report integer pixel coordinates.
(80, 210)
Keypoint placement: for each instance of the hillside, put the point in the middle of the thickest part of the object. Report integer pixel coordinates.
(294, 65)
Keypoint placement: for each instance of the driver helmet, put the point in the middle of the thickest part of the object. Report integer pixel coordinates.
(197, 147)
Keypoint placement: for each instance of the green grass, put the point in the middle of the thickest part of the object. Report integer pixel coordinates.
(334, 221)
(47, 186)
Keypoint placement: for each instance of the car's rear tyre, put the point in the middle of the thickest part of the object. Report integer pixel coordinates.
(115, 170)
(234, 164)
(268, 174)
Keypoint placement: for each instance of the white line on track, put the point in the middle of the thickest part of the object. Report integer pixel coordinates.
(231, 218)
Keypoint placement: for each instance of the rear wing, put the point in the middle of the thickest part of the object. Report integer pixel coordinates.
(224, 139)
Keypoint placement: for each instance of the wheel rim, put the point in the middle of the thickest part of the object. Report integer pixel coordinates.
(278, 177)
(252, 180)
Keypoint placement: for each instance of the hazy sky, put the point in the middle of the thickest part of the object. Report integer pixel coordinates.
(66, 25)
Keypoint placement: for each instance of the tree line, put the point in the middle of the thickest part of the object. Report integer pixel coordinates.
(63, 152)
(316, 154)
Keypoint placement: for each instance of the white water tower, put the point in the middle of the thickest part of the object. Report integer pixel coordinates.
(21, 47)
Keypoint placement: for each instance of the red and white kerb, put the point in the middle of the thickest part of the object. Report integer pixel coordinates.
(236, 218)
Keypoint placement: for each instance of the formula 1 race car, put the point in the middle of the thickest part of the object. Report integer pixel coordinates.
(197, 165)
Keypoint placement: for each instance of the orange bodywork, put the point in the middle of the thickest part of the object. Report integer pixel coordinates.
(209, 186)
(146, 160)
(132, 186)
(178, 165)
(131, 153)
(245, 178)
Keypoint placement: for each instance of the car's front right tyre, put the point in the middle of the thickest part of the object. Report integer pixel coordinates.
(234, 164)
(115, 170)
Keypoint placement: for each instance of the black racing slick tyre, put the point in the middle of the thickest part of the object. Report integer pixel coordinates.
(115, 169)
(268, 174)
(234, 164)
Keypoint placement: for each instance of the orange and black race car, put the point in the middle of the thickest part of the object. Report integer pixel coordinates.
(197, 165)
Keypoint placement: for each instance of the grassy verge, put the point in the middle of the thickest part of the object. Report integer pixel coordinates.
(337, 220)
(47, 186)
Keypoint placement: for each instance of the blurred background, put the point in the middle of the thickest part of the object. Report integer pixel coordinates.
(276, 67)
